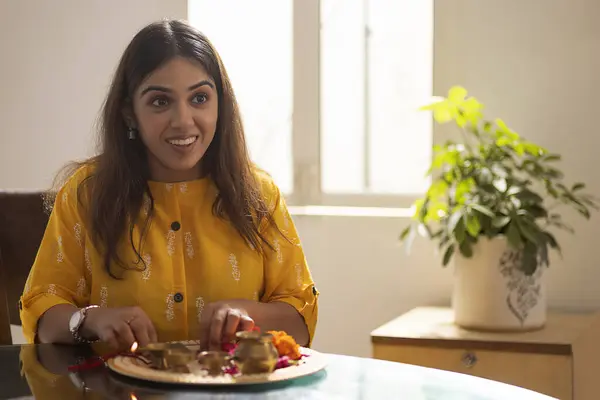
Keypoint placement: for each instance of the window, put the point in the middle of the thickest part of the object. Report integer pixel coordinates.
(329, 91)
(245, 34)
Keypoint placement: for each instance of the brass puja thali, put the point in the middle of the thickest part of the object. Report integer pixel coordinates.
(255, 358)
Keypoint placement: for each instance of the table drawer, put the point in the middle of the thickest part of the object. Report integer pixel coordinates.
(544, 373)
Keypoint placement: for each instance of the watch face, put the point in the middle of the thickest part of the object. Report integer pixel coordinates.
(75, 320)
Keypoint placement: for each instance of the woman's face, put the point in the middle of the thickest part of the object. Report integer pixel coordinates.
(176, 111)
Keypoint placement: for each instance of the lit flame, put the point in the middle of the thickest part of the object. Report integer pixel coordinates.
(134, 347)
(131, 395)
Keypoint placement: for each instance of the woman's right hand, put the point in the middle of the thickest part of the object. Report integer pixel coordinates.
(119, 327)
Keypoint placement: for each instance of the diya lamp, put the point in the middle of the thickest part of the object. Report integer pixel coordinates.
(169, 356)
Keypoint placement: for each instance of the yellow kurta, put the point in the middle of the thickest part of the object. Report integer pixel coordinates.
(192, 258)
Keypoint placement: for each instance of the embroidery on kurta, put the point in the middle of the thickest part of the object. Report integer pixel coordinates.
(88, 261)
(77, 230)
(299, 274)
(277, 247)
(103, 296)
(148, 264)
(59, 255)
(183, 188)
(171, 242)
(81, 285)
(169, 186)
(235, 270)
(189, 247)
(170, 312)
(52, 289)
(199, 307)
(146, 205)
(255, 296)
(65, 196)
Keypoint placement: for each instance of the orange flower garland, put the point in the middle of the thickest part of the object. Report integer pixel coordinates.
(286, 345)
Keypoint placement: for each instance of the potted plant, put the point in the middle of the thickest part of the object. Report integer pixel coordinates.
(488, 208)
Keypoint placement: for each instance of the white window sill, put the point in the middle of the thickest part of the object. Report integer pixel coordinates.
(339, 211)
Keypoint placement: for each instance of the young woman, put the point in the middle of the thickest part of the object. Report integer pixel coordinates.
(170, 233)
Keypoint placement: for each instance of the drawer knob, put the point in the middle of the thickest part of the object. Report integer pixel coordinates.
(469, 359)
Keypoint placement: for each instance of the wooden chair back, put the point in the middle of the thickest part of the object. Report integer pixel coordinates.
(23, 220)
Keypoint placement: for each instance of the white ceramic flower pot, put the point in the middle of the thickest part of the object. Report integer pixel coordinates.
(490, 293)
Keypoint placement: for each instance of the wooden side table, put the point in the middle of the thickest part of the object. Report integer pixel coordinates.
(561, 360)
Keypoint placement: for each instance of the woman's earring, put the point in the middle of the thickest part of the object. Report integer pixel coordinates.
(131, 133)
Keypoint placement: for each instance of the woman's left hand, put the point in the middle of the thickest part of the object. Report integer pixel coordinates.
(219, 323)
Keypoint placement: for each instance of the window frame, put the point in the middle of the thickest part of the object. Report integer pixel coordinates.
(306, 149)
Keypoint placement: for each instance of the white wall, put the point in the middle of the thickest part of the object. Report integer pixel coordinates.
(57, 58)
(536, 64)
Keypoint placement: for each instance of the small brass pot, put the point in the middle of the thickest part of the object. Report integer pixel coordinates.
(214, 361)
(255, 353)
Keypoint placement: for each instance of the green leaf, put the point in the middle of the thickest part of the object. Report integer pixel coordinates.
(454, 219)
(529, 196)
(513, 235)
(462, 189)
(506, 131)
(519, 149)
(466, 249)
(460, 233)
(529, 259)
(473, 225)
(405, 233)
(500, 170)
(419, 212)
(483, 210)
(551, 241)
(503, 141)
(500, 184)
(448, 255)
(471, 109)
(578, 186)
(457, 94)
(485, 176)
(435, 210)
(442, 115)
(552, 157)
(533, 149)
(529, 230)
(536, 211)
(500, 221)
(437, 189)
(443, 111)
(553, 173)
(425, 231)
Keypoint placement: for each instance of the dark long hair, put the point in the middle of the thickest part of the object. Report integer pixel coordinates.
(117, 187)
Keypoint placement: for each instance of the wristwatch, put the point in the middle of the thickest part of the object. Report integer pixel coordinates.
(76, 322)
